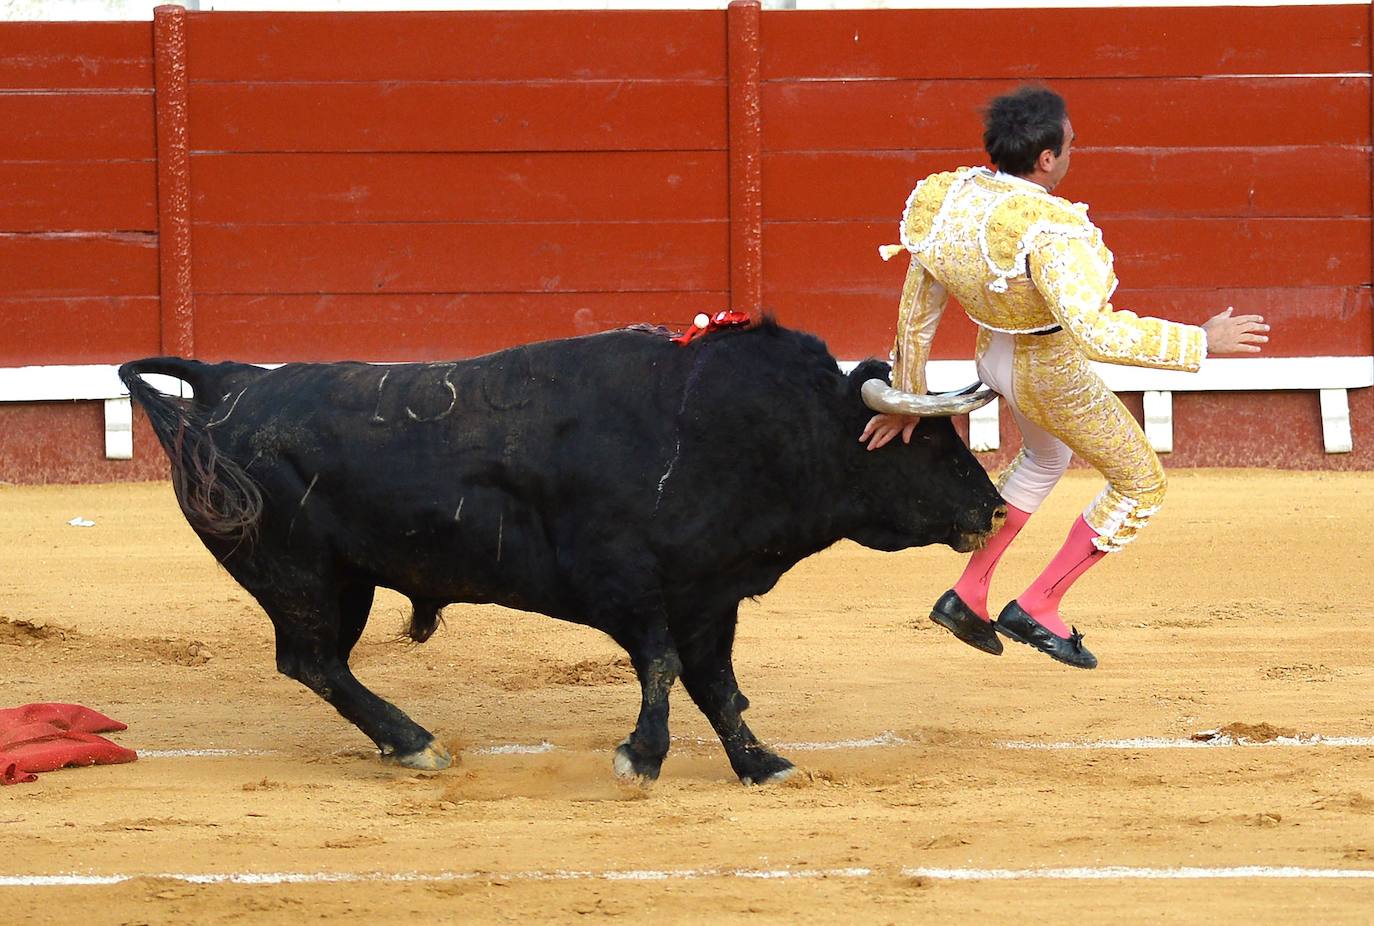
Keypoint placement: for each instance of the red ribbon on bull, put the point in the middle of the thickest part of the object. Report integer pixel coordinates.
(703, 323)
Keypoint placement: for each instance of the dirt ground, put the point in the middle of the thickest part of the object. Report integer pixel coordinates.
(1250, 600)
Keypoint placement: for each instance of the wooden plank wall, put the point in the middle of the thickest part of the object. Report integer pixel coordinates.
(1225, 153)
(418, 186)
(431, 185)
(78, 192)
(425, 185)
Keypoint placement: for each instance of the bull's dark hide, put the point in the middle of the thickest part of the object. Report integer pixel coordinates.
(616, 480)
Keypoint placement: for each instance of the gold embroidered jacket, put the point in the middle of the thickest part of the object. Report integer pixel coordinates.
(1018, 260)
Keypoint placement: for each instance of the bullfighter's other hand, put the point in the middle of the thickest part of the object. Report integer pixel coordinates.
(882, 428)
(1235, 334)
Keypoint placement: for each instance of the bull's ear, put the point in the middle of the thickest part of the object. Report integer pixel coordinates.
(866, 370)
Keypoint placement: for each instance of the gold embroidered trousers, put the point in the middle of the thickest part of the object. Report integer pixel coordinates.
(1054, 388)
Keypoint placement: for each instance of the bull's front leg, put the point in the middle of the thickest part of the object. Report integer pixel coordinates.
(640, 755)
(708, 673)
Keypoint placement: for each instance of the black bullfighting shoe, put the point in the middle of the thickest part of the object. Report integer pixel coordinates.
(1021, 627)
(951, 613)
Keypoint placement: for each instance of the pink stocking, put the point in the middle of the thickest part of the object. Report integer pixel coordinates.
(1077, 556)
(972, 587)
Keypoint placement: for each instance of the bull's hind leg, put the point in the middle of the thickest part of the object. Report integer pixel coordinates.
(708, 673)
(656, 663)
(355, 604)
(317, 623)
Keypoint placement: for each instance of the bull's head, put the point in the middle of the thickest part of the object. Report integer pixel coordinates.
(932, 490)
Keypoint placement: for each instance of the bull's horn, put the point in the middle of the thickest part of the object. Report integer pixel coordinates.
(881, 397)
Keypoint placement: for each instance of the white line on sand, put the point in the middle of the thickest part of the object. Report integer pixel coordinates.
(1213, 742)
(885, 739)
(326, 877)
(1121, 872)
(1110, 873)
(517, 749)
(201, 753)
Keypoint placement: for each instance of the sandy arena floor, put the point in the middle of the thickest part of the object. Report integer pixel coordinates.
(1250, 600)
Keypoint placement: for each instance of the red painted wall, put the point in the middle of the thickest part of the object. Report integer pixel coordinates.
(425, 185)
(1220, 173)
(408, 186)
(78, 193)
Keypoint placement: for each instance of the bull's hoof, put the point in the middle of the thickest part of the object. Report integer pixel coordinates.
(630, 767)
(769, 770)
(777, 777)
(432, 758)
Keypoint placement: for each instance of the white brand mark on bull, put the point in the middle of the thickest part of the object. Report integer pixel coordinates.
(292, 526)
(377, 414)
(677, 450)
(452, 403)
(215, 424)
(309, 488)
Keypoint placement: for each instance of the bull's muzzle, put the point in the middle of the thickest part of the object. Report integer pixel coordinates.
(973, 541)
(881, 397)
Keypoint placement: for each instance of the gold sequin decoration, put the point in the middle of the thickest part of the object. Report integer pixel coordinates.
(1058, 391)
(1020, 260)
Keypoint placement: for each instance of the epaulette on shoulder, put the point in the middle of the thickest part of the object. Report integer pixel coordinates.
(1020, 218)
(1028, 208)
(923, 205)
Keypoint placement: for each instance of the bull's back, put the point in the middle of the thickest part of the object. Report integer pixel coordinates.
(467, 479)
(577, 407)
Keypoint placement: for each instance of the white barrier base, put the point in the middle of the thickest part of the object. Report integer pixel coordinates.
(1331, 377)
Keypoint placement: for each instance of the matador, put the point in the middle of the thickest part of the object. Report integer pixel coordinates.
(1031, 270)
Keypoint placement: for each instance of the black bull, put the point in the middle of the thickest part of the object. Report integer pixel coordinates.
(618, 480)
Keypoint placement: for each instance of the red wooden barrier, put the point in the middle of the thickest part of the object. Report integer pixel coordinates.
(1222, 172)
(279, 328)
(173, 180)
(569, 45)
(746, 158)
(423, 185)
(574, 186)
(1050, 44)
(457, 175)
(460, 258)
(78, 217)
(76, 56)
(1307, 181)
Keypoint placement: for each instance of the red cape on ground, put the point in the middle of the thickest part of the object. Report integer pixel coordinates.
(45, 737)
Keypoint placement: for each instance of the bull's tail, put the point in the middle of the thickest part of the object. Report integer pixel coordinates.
(216, 494)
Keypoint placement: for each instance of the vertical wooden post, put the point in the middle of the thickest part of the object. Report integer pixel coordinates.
(746, 156)
(170, 87)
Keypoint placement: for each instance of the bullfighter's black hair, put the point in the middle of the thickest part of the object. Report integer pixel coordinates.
(1020, 125)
